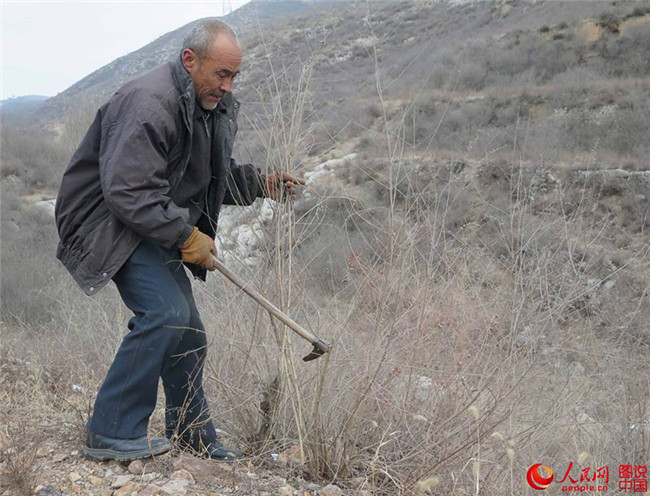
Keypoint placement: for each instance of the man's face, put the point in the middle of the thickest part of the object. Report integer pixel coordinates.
(214, 74)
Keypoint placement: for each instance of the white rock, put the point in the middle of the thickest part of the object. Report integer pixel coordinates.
(583, 418)
(183, 474)
(59, 457)
(266, 212)
(45, 206)
(325, 168)
(523, 337)
(576, 368)
(119, 480)
(146, 478)
(423, 388)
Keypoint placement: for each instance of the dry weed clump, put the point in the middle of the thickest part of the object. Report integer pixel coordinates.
(41, 405)
(17, 464)
(33, 155)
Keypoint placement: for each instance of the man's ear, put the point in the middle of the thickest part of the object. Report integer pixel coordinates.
(189, 59)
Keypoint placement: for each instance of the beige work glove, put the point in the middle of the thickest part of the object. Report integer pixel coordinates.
(198, 249)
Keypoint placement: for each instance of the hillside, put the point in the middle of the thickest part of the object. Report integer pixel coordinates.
(472, 237)
(484, 66)
(18, 111)
(14, 104)
(100, 84)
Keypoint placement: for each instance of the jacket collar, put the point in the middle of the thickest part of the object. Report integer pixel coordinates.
(185, 85)
(182, 79)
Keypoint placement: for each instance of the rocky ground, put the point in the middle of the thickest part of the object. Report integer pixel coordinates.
(62, 470)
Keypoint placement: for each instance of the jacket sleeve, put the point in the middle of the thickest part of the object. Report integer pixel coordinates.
(133, 173)
(245, 183)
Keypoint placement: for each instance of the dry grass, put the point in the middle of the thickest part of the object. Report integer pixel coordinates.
(467, 292)
(464, 350)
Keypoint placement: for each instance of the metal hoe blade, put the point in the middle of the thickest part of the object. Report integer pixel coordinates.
(320, 348)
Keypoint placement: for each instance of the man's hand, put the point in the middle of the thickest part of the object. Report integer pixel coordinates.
(276, 183)
(198, 249)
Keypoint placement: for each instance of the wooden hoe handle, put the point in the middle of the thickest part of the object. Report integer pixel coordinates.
(320, 346)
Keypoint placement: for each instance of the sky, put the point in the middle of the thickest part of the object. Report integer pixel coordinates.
(47, 46)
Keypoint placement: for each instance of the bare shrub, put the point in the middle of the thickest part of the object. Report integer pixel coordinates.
(471, 76)
(34, 155)
(441, 77)
(18, 464)
(553, 58)
(609, 21)
(636, 211)
(25, 268)
(78, 118)
(640, 11)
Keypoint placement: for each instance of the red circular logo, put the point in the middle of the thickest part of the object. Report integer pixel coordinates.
(535, 480)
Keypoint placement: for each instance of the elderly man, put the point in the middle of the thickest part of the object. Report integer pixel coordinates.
(141, 194)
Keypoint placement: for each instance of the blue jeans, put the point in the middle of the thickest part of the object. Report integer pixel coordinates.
(166, 339)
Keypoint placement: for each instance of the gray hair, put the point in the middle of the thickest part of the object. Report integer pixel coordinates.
(203, 33)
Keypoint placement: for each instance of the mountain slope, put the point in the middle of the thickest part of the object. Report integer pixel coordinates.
(101, 83)
(472, 237)
(18, 111)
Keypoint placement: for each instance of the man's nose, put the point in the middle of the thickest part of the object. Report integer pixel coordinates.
(225, 85)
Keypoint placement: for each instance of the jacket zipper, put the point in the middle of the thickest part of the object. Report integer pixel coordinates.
(205, 125)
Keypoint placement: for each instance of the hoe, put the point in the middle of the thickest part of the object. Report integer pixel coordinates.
(320, 345)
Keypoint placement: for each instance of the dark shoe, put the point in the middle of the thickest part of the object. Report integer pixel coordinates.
(123, 450)
(217, 451)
